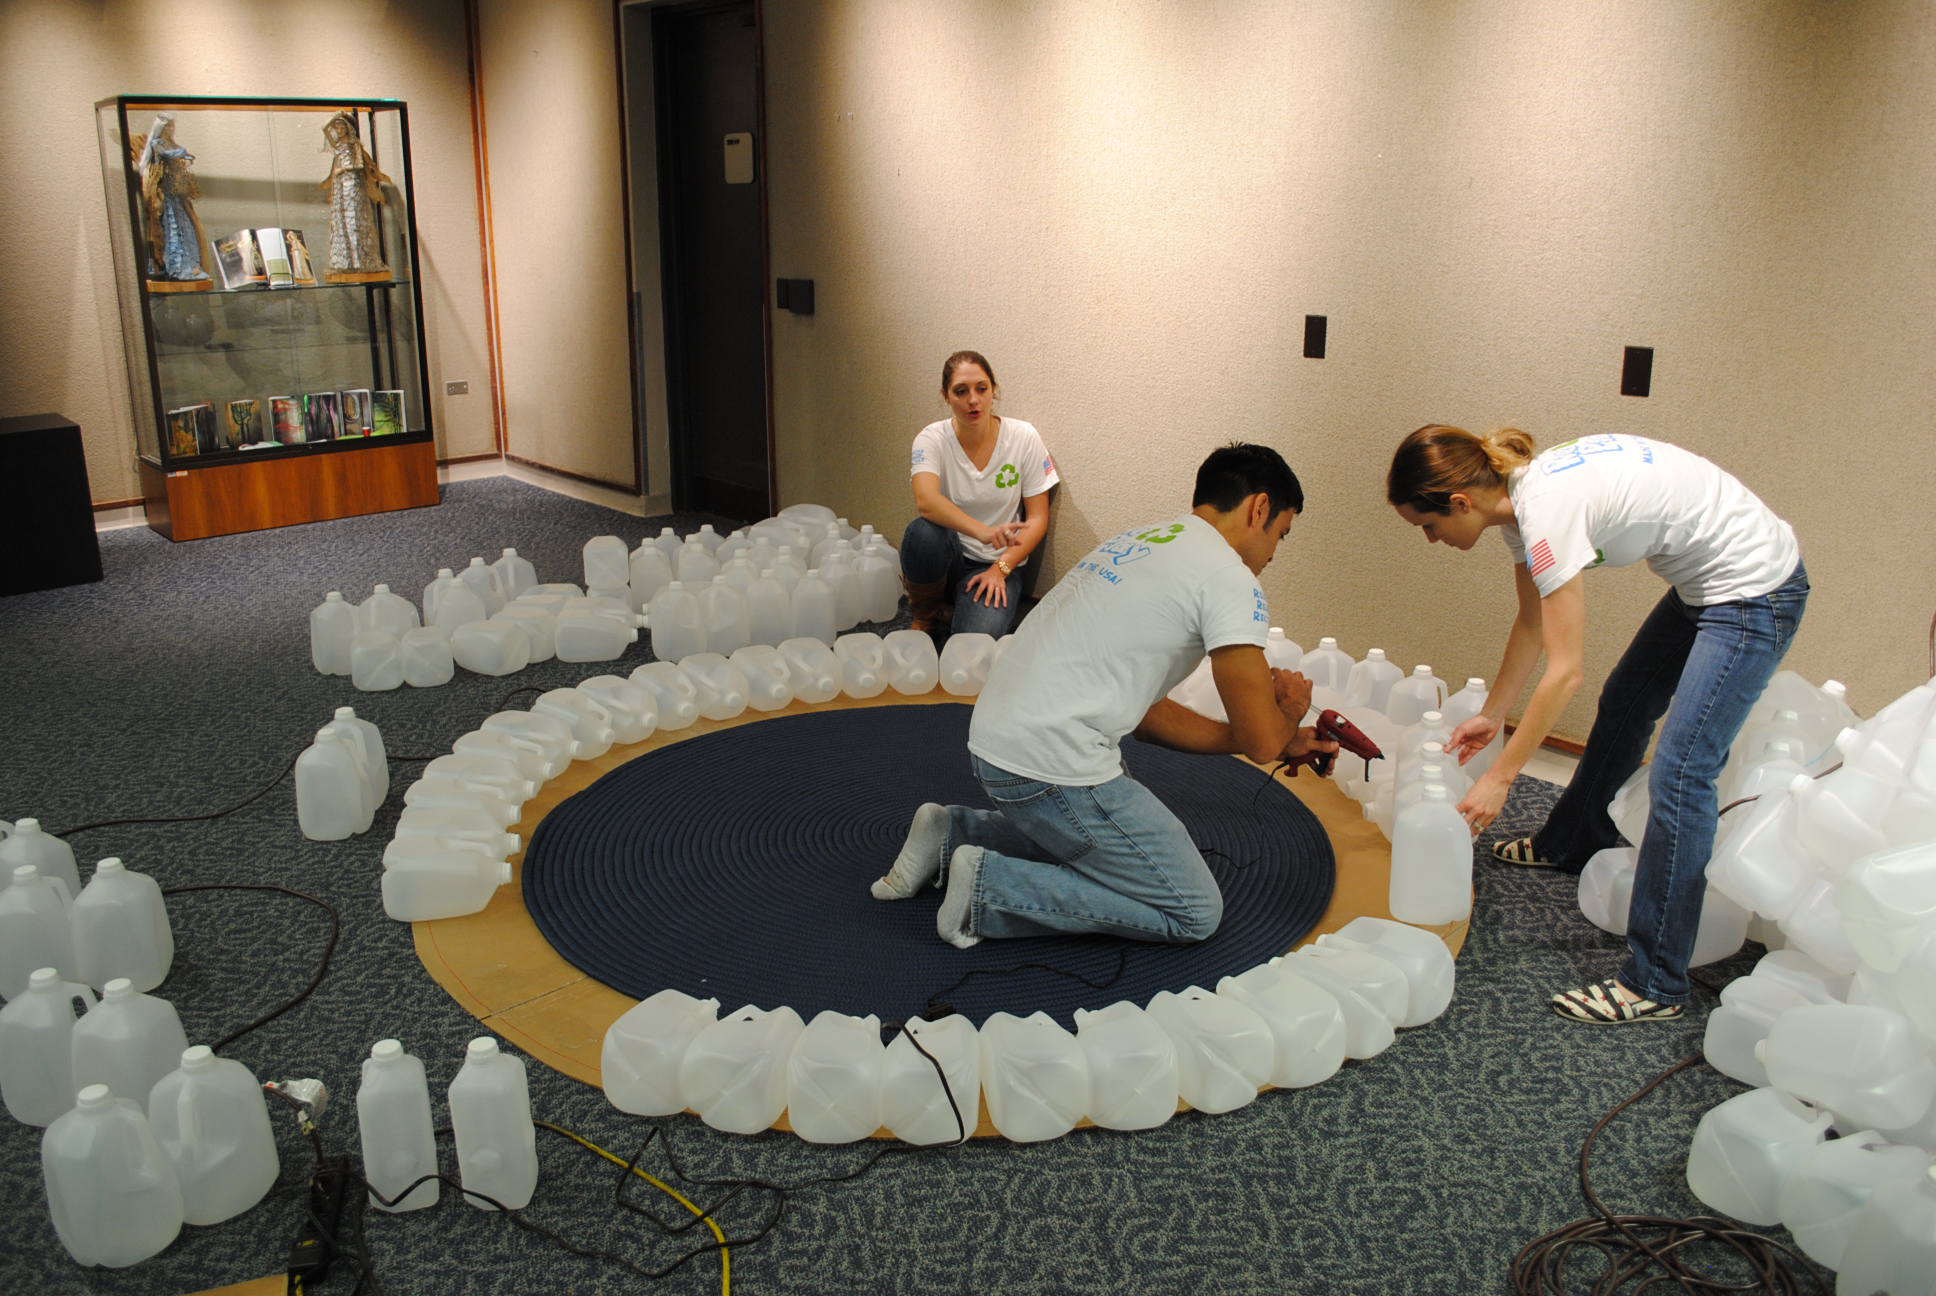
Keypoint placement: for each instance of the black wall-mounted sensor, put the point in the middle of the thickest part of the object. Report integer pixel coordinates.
(1314, 330)
(795, 295)
(1637, 372)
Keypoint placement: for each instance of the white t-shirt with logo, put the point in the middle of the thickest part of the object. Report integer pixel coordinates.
(1614, 499)
(1118, 632)
(1020, 468)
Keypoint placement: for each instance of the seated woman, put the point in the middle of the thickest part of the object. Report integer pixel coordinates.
(981, 490)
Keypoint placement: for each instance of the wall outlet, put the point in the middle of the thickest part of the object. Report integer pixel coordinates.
(457, 389)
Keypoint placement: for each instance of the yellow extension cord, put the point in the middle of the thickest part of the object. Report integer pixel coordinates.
(725, 1255)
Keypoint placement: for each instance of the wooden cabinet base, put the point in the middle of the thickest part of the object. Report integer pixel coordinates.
(195, 503)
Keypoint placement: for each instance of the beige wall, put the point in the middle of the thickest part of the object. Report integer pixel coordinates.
(60, 344)
(551, 118)
(1129, 205)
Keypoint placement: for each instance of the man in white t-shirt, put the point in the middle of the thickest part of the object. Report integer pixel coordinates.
(1074, 844)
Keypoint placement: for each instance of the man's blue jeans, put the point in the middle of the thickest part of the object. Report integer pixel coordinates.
(930, 553)
(1109, 858)
(1711, 664)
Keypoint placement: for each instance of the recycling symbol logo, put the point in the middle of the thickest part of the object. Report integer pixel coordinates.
(1162, 535)
(1007, 476)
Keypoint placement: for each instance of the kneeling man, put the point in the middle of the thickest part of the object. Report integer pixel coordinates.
(1074, 844)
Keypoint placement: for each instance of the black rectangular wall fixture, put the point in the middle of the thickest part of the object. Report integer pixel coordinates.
(795, 295)
(1314, 330)
(1637, 372)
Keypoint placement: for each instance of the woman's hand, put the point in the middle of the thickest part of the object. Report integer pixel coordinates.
(1001, 538)
(1482, 804)
(1471, 737)
(989, 586)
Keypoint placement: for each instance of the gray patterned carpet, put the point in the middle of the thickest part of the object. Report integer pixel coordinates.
(182, 684)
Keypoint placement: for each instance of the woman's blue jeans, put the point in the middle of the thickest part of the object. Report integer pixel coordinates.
(1109, 858)
(1710, 664)
(931, 552)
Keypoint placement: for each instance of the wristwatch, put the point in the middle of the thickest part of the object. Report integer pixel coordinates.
(1006, 569)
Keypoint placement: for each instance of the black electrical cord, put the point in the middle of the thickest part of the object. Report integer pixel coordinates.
(322, 969)
(200, 818)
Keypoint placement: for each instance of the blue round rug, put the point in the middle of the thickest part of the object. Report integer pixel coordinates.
(735, 866)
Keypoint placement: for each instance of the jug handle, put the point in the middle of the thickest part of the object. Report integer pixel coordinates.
(60, 885)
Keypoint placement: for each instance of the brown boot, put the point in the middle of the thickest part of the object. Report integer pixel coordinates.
(926, 604)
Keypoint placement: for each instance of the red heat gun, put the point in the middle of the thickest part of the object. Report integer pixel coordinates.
(1332, 727)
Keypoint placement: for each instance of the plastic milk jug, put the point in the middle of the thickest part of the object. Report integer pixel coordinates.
(1431, 868)
(428, 882)
(515, 575)
(490, 1118)
(112, 1195)
(607, 562)
(540, 625)
(1372, 680)
(1861, 1061)
(120, 925)
(212, 1121)
(1132, 1066)
(592, 636)
(393, 1117)
(815, 672)
(1744, 1148)
(838, 571)
(672, 692)
(1224, 1049)
(1892, 1244)
(651, 571)
(332, 787)
(769, 610)
(27, 844)
(924, 1108)
(813, 609)
(426, 657)
(1820, 1199)
(633, 714)
(1368, 1029)
(490, 646)
(696, 565)
(880, 579)
(669, 544)
(912, 663)
(386, 611)
(722, 611)
(34, 930)
(739, 573)
(331, 624)
(720, 689)
(550, 739)
(500, 774)
(1327, 665)
(643, 1049)
(37, 1047)
(127, 1041)
(863, 664)
(834, 1078)
(768, 684)
(452, 826)
(674, 619)
(964, 663)
(483, 579)
(734, 1073)
(1306, 1023)
(1034, 1076)
(376, 660)
(1413, 696)
(458, 605)
(1281, 651)
(1419, 955)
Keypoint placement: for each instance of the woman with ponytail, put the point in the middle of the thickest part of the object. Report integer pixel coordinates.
(1701, 658)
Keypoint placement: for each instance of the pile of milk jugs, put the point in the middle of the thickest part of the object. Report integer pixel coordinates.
(803, 573)
(1411, 793)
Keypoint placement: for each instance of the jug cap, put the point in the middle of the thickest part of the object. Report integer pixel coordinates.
(1433, 717)
(1376, 654)
(381, 589)
(1476, 681)
(484, 1046)
(93, 1096)
(385, 1049)
(1422, 671)
(43, 978)
(197, 1057)
(119, 988)
(334, 596)
(345, 713)
(24, 873)
(26, 825)
(1327, 642)
(110, 866)
(510, 552)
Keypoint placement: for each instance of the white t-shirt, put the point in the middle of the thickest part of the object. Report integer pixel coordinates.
(1019, 468)
(1614, 499)
(1118, 632)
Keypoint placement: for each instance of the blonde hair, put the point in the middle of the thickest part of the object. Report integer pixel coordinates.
(1436, 460)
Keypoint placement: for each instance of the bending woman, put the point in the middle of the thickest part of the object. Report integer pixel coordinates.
(1708, 648)
(981, 489)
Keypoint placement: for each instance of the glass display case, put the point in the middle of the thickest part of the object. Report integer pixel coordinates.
(265, 257)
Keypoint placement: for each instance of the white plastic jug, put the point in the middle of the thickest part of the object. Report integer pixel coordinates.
(331, 623)
(127, 1041)
(719, 688)
(483, 580)
(387, 611)
(1762, 864)
(449, 825)
(1411, 697)
(1034, 1076)
(1863, 1062)
(1892, 1243)
(650, 572)
(1815, 927)
(964, 663)
(1422, 957)
(490, 646)
(769, 685)
(723, 614)
(548, 737)
(834, 1078)
(826, 545)
(515, 575)
(863, 664)
(34, 930)
(1804, 975)
(814, 613)
(1132, 1066)
(393, 1122)
(27, 844)
(695, 566)
(376, 660)
(501, 774)
(592, 636)
(769, 610)
(1745, 1148)
(458, 605)
(1843, 811)
(927, 1102)
(669, 544)
(1606, 888)
(1368, 1029)
(112, 1195)
(813, 670)
(490, 1120)
(606, 561)
(425, 657)
(709, 537)
(738, 572)
(331, 791)
(1281, 651)
(1829, 1186)
(1306, 1024)
(446, 792)
(376, 761)
(1888, 902)
(1327, 665)
(677, 631)
(1372, 679)
(643, 1050)
(423, 884)
(1224, 1049)
(1431, 865)
(212, 1121)
(631, 709)
(880, 581)
(1748, 1010)
(734, 1073)
(37, 1047)
(120, 926)
(913, 666)
(434, 592)
(673, 693)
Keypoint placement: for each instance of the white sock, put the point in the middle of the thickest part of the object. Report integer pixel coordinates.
(920, 859)
(951, 922)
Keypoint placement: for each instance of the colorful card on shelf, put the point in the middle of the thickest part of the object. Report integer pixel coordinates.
(240, 261)
(181, 433)
(299, 267)
(286, 414)
(207, 438)
(323, 416)
(386, 413)
(356, 412)
(241, 424)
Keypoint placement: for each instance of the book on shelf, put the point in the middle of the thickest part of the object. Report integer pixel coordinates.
(285, 258)
(386, 413)
(239, 260)
(181, 433)
(323, 416)
(286, 419)
(356, 412)
(241, 424)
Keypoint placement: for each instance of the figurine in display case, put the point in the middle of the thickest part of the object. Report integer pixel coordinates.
(168, 194)
(354, 187)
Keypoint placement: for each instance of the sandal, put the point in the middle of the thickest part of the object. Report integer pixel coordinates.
(1609, 1003)
(1519, 851)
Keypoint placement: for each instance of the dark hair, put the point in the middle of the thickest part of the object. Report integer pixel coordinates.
(959, 358)
(1436, 460)
(1233, 473)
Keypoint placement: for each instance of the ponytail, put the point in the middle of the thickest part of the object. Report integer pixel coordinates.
(1436, 460)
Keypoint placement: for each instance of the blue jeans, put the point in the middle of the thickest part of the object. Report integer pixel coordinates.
(1711, 664)
(1109, 858)
(931, 552)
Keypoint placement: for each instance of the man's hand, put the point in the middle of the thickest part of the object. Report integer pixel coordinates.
(1305, 741)
(1293, 694)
